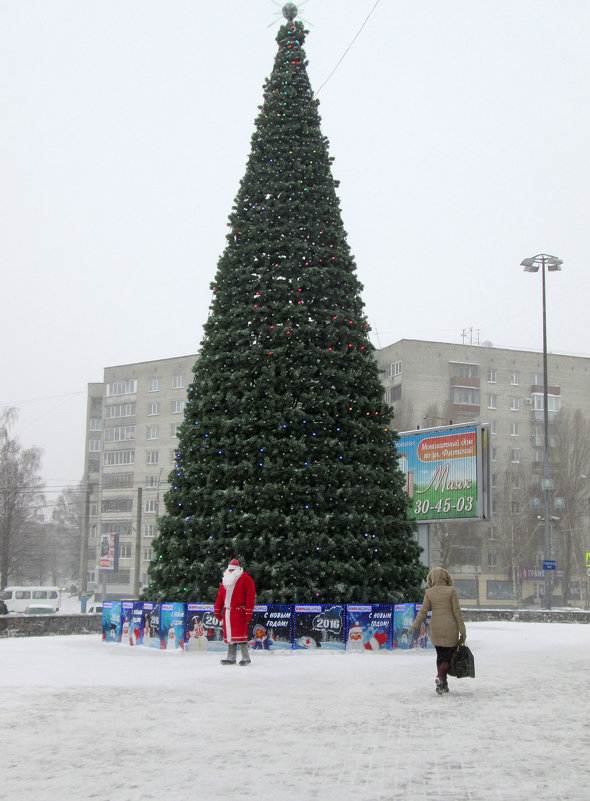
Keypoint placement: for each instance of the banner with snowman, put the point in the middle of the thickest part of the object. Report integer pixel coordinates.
(319, 626)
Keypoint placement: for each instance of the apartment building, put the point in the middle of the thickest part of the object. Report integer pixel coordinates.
(498, 562)
(132, 419)
(133, 416)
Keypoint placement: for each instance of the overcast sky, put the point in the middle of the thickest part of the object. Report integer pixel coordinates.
(460, 136)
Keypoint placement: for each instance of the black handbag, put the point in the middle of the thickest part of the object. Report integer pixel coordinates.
(462, 663)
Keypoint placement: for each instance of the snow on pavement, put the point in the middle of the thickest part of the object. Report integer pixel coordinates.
(85, 720)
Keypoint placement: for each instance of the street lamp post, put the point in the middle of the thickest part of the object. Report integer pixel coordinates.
(531, 265)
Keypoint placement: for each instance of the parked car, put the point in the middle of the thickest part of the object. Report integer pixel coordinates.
(40, 609)
(94, 609)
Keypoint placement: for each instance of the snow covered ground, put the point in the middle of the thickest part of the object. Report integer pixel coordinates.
(85, 720)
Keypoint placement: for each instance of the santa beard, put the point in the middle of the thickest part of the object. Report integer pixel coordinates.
(231, 576)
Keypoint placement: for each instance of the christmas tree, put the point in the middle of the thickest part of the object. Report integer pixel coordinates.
(286, 459)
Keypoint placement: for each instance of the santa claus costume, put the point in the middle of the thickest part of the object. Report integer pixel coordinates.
(235, 606)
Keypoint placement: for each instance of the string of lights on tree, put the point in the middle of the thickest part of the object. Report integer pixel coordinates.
(286, 459)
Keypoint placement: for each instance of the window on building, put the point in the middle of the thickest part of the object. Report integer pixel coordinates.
(515, 378)
(492, 401)
(494, 480)
(177, 407)
(120, 527)
(149, 530)
(117, 481)
(119, 505)
(492, 426)
(466, 588)
(492, 558)
(150, 506)
(515, 455)
(119, 410)
(148, 554)
(172, 456)
(124, 550)
(122, 577)
(499, 590)
(153, 432)
(90, 576)
(178, 382)
(515, 482)
(93, 531)
(395, 368)
(93, 465)
(514, 429)
(153, 384)
(514, 404)
(95, 423)
(93, 445)
(151, 481)
(465, 370)
(537, 379)
(94, 510)
(464, 396)
(111, 458)
(515, 507)
(494, 453)
(553, 402)
(153, 408)
(128, 387)
(151, 457)
(392, 394)
(119, 433)
(174, 429)
(492, 533)
(491, 376)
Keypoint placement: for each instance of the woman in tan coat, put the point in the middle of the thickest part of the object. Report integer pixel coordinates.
(446, 624)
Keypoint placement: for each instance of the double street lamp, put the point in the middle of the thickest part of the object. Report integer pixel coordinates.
(532, 265)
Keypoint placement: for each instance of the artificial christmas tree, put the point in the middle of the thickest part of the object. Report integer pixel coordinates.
(285, 458)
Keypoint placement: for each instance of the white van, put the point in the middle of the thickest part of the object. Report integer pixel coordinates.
(17, 599)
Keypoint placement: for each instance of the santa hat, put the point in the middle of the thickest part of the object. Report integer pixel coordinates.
(377, 641)
(233, 565)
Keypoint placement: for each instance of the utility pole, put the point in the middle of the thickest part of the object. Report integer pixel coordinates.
(84, 551)
(137, 545)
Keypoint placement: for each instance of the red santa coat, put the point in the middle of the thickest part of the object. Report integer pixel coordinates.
(235, 606)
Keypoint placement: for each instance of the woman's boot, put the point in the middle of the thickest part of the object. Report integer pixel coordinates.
(442, 686)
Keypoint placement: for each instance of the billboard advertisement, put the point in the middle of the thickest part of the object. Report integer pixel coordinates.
(447, 472)
(108, 558)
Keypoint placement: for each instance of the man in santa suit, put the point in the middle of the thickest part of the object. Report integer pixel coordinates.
(235, 606)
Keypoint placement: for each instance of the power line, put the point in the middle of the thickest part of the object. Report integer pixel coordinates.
(347, 49)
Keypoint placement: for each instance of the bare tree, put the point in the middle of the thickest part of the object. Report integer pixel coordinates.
(21, 497)
(68, 520)
(571, 472)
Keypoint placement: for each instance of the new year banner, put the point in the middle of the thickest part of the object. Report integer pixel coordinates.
(151, 626)
(422, 639)
(403, 618)
(172, 627)
(127, 623)
(111, 621)
(271, 627)
(369, 627)
(319, 626)
(204, 632)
